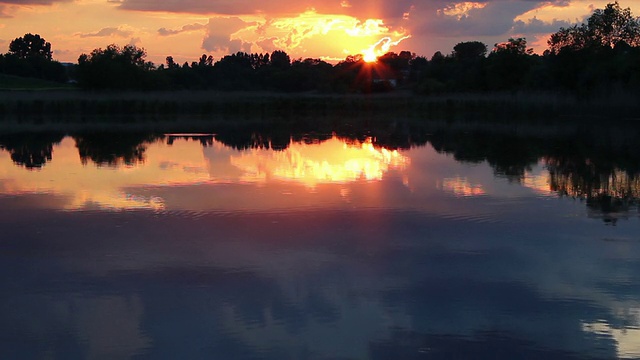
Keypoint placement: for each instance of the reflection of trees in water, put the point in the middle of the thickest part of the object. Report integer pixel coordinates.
(205, 140)
(509, 156)
(113, 149)
(275, 139)
(31, 150)
(243, 140)
(602, 169)
(605, 190)
(600, 165)
(391, 134)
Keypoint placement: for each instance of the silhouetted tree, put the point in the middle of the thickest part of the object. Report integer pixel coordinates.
(31, 46)
(280, 59)
(509, 64)
(471, 50)
(115, 68)
(468, 72)
(31, 56)
(113, 150)
(31, 150)
(171, 64)
(604, 28)
(597, 57)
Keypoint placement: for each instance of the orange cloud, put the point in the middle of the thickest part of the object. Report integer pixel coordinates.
(109, 31)
(306, 28)
(183, 29)
(312, 34)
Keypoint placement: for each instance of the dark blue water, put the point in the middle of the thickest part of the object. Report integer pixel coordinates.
(331, 248)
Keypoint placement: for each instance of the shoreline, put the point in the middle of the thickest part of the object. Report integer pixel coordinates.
(81, 107)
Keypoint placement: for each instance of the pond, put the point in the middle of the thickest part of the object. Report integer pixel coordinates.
(452, 241)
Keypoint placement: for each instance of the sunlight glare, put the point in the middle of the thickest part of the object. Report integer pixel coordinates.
(369, 55)
(380, 48)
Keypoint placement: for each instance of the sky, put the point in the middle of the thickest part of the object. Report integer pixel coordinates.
(325, 29)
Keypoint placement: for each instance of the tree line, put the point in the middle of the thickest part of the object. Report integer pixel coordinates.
(601, 55)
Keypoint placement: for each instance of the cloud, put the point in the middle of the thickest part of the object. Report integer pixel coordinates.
(339, 27)
(238, 7)
(108, 31)
(484, 19)
(219, 34)
(268, 44)
(3, 12)
(359, 8)
(185, 28)
(537, 26)
(32, 2)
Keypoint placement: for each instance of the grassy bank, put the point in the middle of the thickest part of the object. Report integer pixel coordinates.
(80, 107)
(19, 83)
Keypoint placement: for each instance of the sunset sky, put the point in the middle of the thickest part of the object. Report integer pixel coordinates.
(327, 29)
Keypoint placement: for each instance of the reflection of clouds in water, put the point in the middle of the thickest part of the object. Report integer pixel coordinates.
(460, 186)
(331, 161)
(331, 280)
(186, 163)
(538, 183)
(110, 326)
(91, 187)
(627, 338)
(95, 327)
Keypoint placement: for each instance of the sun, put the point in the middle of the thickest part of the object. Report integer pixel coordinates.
(370, 55)
(380, 48)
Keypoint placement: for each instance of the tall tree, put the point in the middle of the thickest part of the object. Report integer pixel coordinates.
(605, 28)
(115, 68)
(470, 50)
(31, 46)
(280, 59)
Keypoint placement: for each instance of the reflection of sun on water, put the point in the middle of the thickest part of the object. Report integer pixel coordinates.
(332, 161)
(184, 164)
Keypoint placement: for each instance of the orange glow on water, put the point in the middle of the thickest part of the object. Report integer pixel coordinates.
(333, 161)
(188, 163)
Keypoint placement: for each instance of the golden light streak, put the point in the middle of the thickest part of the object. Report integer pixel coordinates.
(380, 48)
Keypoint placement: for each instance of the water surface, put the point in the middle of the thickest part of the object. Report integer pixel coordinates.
(463, 244)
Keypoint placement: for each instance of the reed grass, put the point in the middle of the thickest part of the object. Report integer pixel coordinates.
(82, 107)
